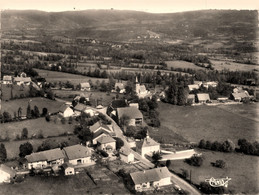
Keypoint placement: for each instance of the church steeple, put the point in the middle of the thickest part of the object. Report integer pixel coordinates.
(136, 79)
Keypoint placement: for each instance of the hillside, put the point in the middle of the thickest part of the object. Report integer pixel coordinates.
(124, 25)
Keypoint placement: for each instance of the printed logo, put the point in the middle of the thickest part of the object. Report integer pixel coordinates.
(218, 182)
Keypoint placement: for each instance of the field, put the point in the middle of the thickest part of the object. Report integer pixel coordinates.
(35, 126)
(232, 66)
(242, 169)
(80, 183)
(12, 106)
(182, 64)
(54, 76)
(17, 91)
(211, 122)
(12, 147)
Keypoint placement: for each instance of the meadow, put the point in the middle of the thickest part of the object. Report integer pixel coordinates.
(12, 106)
(54, 76)
(232, 66)
(183, 64)
(242, 169)
(212, 123)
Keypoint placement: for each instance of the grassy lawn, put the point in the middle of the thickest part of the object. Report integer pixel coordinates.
(182, 64)
(210, 122)
(12, 106)
(54, 76)
(35, 126)
(243, 172)
(16, 90)
(75, 184)
(12, 147)
(232, 66)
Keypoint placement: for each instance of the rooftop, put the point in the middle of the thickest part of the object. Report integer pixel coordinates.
(97, 125)
(24, 79)
(131, 112)
(203, 96)
(48, 155)
(63, 108)
(147, 142)
(7, 169)
(119, 104)
(150, 175)
(76, 151)
(85, 85)
(105, 140)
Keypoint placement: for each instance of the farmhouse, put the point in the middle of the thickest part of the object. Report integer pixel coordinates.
(210, 84)
(239, 96)
(157, 177)
(85, 86)
(126, 155)
(100, 130)
(194, 86)
(115, 104)
(148, 146)
(22, 80)
(44, 159)
(65, 111)
(203, 97)
(135, 116)
(7, 80)
(119, 87)
(6, 174)
(106, 143)
(77, 155)
(79, 108)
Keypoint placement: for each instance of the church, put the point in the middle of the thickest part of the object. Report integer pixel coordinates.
(141, 90)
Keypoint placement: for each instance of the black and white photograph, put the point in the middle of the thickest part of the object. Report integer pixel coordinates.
(121, 97)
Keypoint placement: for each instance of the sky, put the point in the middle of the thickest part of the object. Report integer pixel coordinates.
(154, 6)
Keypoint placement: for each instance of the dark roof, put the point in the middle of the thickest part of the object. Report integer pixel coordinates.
(48, 155)
(119, 104)
(7, 169)
(131, 112)
(80, 107)
(63, 108)
(150, 175)
(77, 151)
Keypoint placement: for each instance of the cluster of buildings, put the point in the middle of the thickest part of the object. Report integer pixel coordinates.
(21, 79)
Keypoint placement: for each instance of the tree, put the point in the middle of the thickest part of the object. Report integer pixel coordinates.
(25, 149)
(228, 146)
(24, 133)
(28, 113)
(185, 173)
(119, 143)
(220, 164)
(202, 144)
(7, 117)
(19, 112)
(44, 111)
(156, 157)
(195, 161)
(124, 121)
(36, 112)
(168, 163)
(3, 153)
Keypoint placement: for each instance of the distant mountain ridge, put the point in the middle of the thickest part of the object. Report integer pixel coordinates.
(115, 23)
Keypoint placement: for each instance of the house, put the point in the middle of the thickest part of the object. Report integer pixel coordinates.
(194, 86)
(100, 130)
(106, 143)
(85, 86)
(6, 174)
(65, 111)
(22, 80)
(134, 114)
(199, 83)
(115, 104)
(44, 159)
(148, 146)
(68, 169)
(210, 84)
(157, 177)
(7, 80)
(126, 155)
(203, 97)
(79, 108)
(119, 87)
(141, 90)
(89, 111)
(239, 96)
(78, 155)
(134, 105)
(191, 98)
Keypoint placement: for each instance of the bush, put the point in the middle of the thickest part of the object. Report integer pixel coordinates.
(25, 149)
(195, 161)
(63, 121)
(219, 164)
(47, 118)
(104, 154)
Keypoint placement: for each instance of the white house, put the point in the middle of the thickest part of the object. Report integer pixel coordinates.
(157, 177)
(7, 80)
(194, 86)
(203, 97)
(134, 114)
(148, 146)
(210, 84)
(106, 143)
(65, 111)
(6, 174)
(78, 154)
(141, 90)
(85, 86)
(44, 159)
(100, 130)
(126, 155)
(68, 169)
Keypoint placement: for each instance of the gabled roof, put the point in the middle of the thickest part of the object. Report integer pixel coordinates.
(23, 79)
(97, 125)
(63, 108)
(7, 78)
(142, 88)
(156, 174)
(131, 112)
(194, 86)
(203, 96)
(76, 151)
(105, 140)
(147, 142)
(191, 96)
(125, 151)
(7, 169)
(240, 95)
(48, 155)
(80, 107)
(85, 85)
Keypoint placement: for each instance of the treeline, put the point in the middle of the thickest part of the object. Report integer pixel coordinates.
(247, 147)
